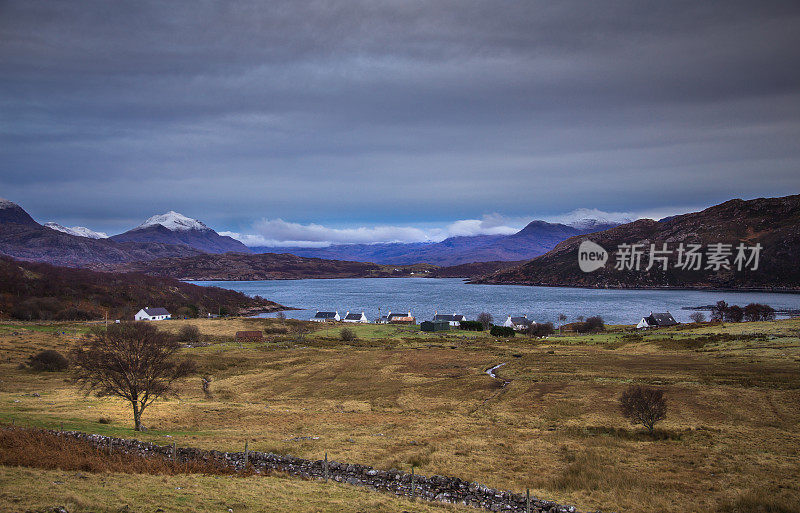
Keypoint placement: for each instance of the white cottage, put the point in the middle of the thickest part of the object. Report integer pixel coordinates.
(518, 323)
(355, 317)
(152, 314)
(453, 320)
(326, 317)
(657, 320)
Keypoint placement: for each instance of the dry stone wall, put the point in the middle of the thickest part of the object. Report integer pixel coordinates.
(432, 488)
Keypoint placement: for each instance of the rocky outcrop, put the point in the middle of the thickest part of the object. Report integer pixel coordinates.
(432, 488)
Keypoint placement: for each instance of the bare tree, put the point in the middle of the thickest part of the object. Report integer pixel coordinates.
(643, 405)
(698, 317)
(561, 318)
(281, 315)
(486, 319)
(133, 361)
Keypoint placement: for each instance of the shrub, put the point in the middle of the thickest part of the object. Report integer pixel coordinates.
(276, 329)
(698, 317)
(502, 331)
(104, 420)
(591, 325)
(643, 405)
(75, 314)
(48, 360)
(734, 314)
(758, 312)
(189, 335)
(540, 329)
(347, 335)
(471, 325)
(718, 311)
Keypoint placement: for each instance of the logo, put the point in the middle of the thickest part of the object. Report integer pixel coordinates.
(591, 256)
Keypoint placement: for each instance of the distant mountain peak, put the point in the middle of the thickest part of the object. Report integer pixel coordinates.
(4, 203)
(12, 213)
(78, 231)
(174, 221)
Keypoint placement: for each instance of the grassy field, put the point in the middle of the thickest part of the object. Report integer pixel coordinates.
(397, 397)
(29, 489)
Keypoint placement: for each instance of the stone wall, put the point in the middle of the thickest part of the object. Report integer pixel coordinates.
(433, 488)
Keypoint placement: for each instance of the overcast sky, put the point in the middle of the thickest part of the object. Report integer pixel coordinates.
(368, 120)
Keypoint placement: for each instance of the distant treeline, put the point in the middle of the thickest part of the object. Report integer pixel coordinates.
(36, 291)
(722, 311)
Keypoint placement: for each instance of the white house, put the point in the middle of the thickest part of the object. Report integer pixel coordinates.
(453, 320)
(518, 323)
(657, 320)
(354, 317)
(152, 314)
(326, 317)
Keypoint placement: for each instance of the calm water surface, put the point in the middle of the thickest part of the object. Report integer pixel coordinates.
(424, 296)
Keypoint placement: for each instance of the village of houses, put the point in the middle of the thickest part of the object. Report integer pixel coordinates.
(439, 322)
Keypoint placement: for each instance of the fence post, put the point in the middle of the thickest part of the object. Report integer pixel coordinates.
(412, 482)
(174, 454)
(325, 467)
(527, 500)
(246, 454)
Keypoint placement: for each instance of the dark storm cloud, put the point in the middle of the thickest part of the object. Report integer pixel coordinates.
(393, 113)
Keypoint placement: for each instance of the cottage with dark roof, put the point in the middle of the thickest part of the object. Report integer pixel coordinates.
(452, 320)
(326, 317)
(355, 317)
(657, 320)
(518, 323)
(152, 314)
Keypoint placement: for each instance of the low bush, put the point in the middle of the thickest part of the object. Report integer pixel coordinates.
(104, 420)
(189, 335)
(347, 335)
(591, 325)
(502, 331)
(276, 329)
(542, 329)
(471, 325)
(48, 360)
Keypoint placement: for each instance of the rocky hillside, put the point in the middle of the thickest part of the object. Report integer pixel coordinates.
(774, 223)
(41, 291)
(175, 228)
(265, 266)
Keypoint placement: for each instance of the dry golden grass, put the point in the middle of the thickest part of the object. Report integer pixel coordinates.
(731, 436)
(31, 489)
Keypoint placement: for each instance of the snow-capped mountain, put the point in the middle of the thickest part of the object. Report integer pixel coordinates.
(78, 231)
(174, 221)
(22, 238)
(176, 228)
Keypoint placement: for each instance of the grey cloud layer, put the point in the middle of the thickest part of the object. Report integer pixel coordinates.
(393, 112)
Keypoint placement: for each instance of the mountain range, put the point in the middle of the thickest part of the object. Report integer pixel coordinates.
(173, 235)
(772, 223)
(537, 238)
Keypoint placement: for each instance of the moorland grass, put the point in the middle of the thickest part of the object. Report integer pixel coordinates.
(732, 427)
